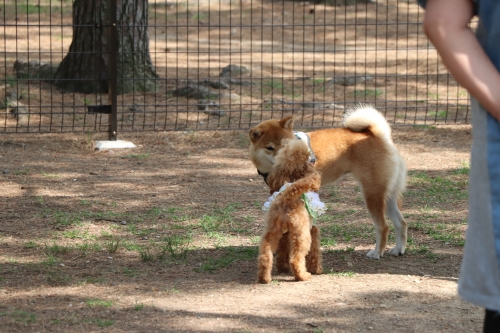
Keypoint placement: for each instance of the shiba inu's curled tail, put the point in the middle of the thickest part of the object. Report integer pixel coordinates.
(366, 117)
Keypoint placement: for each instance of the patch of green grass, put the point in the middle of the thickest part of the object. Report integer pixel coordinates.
(31, 9)
(437, 189)
(199, 16)
(336, 228)
(368, 93)
(227, 257)
(131, 246)
(50, 261)
(329, 242)
(11, 81)
(55, 277)
(347, 250)
(255, 240)
(271, 85)
(40, 200)
(30, 245)
(446, 233)
(464, 169)
(90, 280)
(113, 245)
(220, 219)
(132, 228)
(176, 246)
(50, 175)
(105, 214)
(420, 249)
(131, 272)
(21, 172)
(138, 156)
(87, 247)
(424, 127)
(104, 322)
(147, 254)
(56, 249)
(317, 81)
(61, 218)
(344, 274)
(173, 290)
(99, 303)
(76, 233)
(20, 316)
(171, 214)
(438, 114)
(210, 223)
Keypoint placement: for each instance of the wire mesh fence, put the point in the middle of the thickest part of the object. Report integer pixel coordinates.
(217, 64)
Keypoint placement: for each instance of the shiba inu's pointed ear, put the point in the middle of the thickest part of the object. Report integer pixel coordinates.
(287, 123)
(255, 134)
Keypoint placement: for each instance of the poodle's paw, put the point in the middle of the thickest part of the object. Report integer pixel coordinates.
(396, 251)
(314, 267)
(264, 278)
(373, 254)
(264, 274)
(315, 187)
(317, 270)
(305, 276)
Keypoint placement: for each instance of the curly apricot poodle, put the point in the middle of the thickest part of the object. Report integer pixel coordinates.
(289, 230)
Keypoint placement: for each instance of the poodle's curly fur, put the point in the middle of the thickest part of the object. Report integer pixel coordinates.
(288, 227)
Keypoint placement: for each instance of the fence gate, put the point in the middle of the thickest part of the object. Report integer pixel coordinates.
(136, 65)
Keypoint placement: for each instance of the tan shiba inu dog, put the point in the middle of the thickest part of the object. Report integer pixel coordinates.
(362, 147)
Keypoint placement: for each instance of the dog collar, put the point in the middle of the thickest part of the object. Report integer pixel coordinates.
(305, 138)
(264, 175)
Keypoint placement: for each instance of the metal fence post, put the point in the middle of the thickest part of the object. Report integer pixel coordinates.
(112, 69)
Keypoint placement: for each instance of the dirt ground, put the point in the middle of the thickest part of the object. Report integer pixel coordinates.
(64, 204)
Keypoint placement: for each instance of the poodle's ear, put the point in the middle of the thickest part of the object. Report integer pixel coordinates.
(287, 123)
(255, 134)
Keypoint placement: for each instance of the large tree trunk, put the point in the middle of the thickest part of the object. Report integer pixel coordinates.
(85, 67)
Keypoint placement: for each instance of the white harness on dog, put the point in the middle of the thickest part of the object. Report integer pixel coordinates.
(314, 206)
(305, 138)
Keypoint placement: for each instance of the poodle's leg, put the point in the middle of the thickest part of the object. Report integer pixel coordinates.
(282, 255)
(268, 245)
(314, 257)
(300, 239)
(375, 202)
(400, 225)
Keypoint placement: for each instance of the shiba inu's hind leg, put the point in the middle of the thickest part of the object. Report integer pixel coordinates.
(375, 202)
(400, 225)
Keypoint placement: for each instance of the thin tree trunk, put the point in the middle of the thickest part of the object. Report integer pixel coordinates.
(84, 69)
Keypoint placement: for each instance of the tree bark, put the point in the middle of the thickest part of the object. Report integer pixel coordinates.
(85, 67)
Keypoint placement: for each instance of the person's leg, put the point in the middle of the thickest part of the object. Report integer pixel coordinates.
(491, 321)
